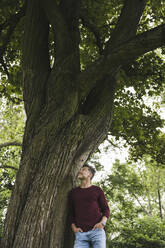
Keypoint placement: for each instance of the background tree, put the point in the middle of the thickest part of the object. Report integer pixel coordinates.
(134, 192)
(11, 132)
(74, 56)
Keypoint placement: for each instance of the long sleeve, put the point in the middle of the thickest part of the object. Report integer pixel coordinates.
(103, 204)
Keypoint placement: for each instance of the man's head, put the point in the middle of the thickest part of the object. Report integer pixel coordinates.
(85, 172)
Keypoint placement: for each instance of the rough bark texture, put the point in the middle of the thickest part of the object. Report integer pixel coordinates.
(68, 115)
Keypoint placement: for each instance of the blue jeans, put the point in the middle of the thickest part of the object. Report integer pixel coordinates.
(96, 238)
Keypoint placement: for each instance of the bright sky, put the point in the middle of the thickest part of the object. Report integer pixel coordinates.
(107, 158)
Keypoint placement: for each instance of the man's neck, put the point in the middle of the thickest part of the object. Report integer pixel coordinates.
(85, 184)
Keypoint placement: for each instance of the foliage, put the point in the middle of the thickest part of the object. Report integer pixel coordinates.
(136, 219)
(11, 129)
(147, 232)
(12, 118)
(144, 81)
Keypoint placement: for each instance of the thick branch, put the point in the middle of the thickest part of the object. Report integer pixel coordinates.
(55, 17)
(70, 10)
(125, 29)
(121, 55)
(65, 21)
(127, 23)
(139, 45)
(60, 27)
(36, 64)
(11, 143)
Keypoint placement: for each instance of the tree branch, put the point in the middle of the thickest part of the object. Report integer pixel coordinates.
(36, 61)
(138, 45)
(123, 54)
(145, 211)
(64, 19)
(11, 23)
(127, 24)
(70, 10)
(10, 143)
(8, 167)
(125, 29)
(60, 27)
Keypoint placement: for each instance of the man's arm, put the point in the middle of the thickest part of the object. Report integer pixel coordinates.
(104, 220)
(105, 210)
(103, 204)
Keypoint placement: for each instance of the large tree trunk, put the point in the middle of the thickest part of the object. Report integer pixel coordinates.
(60, 135)
(38, 208)
(68, 115)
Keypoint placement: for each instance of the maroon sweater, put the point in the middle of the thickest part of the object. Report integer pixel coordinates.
(87, 206)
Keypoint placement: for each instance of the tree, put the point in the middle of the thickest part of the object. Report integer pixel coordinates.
(147, 232)
(68, 97)
(11, 130)
(132, 190)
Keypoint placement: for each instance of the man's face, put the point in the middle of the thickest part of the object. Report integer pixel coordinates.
(84, 173)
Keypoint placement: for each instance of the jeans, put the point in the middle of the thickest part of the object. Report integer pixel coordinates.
(96, 238)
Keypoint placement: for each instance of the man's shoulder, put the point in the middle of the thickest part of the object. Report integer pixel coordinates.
(97, 188)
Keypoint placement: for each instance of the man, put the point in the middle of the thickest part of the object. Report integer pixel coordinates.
(89, 211)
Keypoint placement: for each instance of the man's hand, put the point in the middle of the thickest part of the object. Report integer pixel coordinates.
(98, 225)
(76, 229)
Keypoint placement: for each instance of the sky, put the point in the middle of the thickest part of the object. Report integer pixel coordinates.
(107, 158)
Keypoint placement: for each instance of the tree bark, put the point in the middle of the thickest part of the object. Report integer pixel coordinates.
(159, 196)
(10, 143)
(69, 114)
(160, 205)
(38, 207)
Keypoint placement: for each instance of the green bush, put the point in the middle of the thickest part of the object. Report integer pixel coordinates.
(148, 232)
